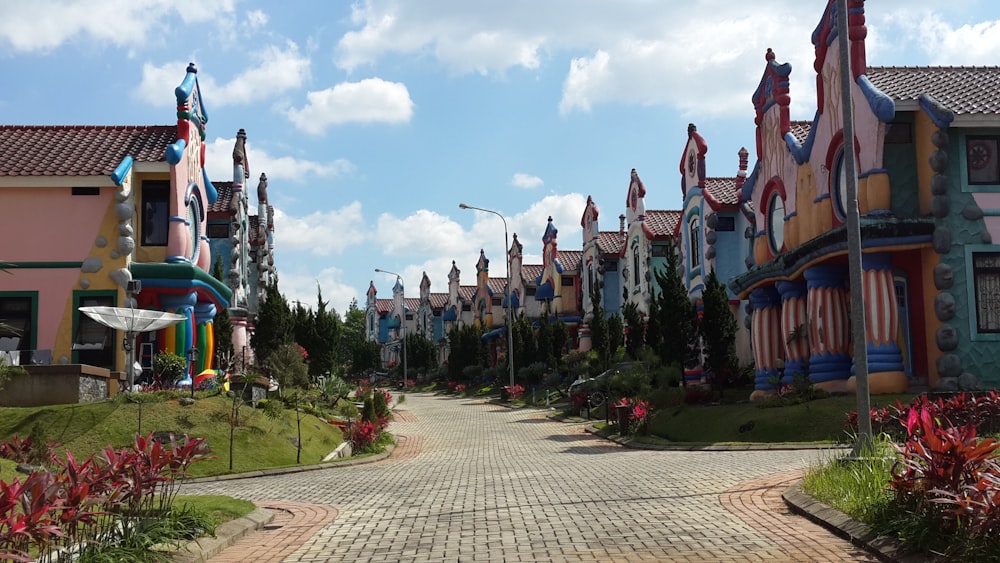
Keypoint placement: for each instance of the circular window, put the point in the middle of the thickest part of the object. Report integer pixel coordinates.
(776, 223)
(839, 187)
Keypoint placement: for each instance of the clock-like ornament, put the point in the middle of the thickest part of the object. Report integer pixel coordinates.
(979, 154)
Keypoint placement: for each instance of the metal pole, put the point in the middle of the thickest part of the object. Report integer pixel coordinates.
(508, 320)
(860, 338)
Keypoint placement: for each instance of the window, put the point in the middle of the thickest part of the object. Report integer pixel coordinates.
(93, 343)
(694, 242)
(86, 190)
(986, 277)
(726, 224)
(155, 212)
(660, 250)
(530, 291)
(981, 160)
(17, 310)
(567, 281)
(466, 306)
(898, 133)
(611, 265)
(838, 188)
(776, 223)
(194, 224)
(217, 230)
(496, 301)
(635, 265)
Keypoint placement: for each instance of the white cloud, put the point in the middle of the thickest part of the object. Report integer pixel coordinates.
(320, 233)
(41, 26)
(275, 70)
(526, 181)
(256, 19)
(946, 43)
(370, 100)
(299, 285)
(219, 161)
(419, 233)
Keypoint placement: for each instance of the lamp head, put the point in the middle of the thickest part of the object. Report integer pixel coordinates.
(462, 206)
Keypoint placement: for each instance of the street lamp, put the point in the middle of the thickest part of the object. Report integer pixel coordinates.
(510, 306)
(192, 356)
(402, 321)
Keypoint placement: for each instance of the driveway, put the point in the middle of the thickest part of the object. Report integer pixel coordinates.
(472, 481)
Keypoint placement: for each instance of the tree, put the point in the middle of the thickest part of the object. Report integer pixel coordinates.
(718, 330)
(636, 330)
(599, 337)
(222, 332)
(672, 330)
(323, 337)
(274, 327)
(616, 334)
(421, 354)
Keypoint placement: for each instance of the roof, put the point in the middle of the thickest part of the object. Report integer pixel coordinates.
(723, 190)
(570, 259)
(221, 205)
(466, 292)
(438, 300)
(383, 306)
(610, 241)
(497, 285)
(663, 223)
(530, 273)
(411, 303)
(962, 89)
(79, 150)
(800, 129)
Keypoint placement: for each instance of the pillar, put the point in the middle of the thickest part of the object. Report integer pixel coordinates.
(794, 328)
(765, 335)
(829, 327)
(885, 359)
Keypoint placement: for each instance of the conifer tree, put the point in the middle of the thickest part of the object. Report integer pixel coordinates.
(718, 330)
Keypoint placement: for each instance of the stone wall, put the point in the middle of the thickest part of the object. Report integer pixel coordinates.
(59, 385)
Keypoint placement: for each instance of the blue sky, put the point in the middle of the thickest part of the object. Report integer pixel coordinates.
(374, 119)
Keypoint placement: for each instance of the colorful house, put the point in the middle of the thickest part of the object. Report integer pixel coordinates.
(712, 226)
(648, 240)
(928, 177)
(94, 208)
(243, 249)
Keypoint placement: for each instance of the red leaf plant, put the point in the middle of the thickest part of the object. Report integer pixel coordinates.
(362, 434)
(939, 457)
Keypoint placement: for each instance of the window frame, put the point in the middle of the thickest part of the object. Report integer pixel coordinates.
(31, 342)
(776, 243)
(694, 242)
(967, 165)
(155, 192)
(111, 298)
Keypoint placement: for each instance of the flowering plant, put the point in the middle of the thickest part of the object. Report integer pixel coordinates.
(516, 391)
(362, 433)
(638, 413)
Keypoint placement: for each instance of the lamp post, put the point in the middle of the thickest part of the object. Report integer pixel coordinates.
(508, 321)
(192, 356)
(402, 321)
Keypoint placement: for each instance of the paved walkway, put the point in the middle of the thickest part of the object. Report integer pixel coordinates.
(471, 481)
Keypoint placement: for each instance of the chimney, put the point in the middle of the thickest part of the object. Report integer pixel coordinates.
(741, 176)
(621, 225)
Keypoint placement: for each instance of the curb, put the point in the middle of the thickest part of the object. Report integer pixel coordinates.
(630, 443)
(842, 525)
(227, 534)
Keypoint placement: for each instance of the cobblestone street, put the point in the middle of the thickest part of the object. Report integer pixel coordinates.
(471, 481)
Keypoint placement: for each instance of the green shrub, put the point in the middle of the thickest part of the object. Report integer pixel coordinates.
(171, 368)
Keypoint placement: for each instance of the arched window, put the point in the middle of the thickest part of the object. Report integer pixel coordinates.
(776, 222)
(838, 186)
(694, 242)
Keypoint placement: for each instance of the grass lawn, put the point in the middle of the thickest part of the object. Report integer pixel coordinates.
(821, 421)
(259, 442)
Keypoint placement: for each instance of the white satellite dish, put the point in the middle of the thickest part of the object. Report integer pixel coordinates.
(132, 321)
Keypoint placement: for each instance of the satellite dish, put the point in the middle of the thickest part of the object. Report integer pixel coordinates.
(131, 321)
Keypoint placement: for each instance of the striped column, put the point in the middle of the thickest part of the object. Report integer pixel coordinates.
(829, 324)
(794, 328)
(765, 335)
(885, 359)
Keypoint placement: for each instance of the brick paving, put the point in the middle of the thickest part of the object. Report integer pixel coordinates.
(471, 481)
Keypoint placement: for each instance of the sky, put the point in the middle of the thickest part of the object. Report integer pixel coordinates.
(374, 119)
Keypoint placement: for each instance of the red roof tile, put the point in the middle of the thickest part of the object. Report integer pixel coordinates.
(570, 259)
(497, 285)
(530, 273)
(610, 241)
(411, 303)
(221, 205)
(438, 300)
(663, 223)
(723, 190)
(962, 89)
(79, 150)
(383, 306)
(800, 129)
(466, 291)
